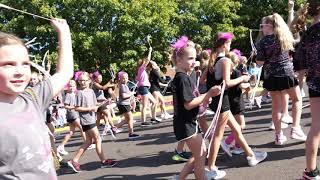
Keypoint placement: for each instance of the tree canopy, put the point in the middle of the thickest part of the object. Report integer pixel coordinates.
(113, 32)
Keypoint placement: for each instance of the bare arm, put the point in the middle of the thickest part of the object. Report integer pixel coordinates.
(86, 109)
(65, 61)
(290, 12)
(146, 62)
(214, 91)
(226, 69)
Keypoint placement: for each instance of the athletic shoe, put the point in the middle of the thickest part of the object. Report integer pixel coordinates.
(166, 116)
(226, 148)
(92, 146)
(116, 130)
(183, 156)
(257, 101)
(209, 112)
(280, 139)
(287, 119)
(311, 175)
(265, 99)
(297, 133)
(133, 136)
(145, 124)
(61, 150)
(257, 157)
(283, 126)
(108, 163)
(214, 174)
(155, 120)
(237, 151)
(74, 165)
(175, 177)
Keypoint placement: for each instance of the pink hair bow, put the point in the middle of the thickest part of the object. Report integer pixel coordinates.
(225, 36)
(181, 43)
(77, 75)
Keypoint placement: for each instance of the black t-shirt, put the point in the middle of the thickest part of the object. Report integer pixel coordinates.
(183, 88)
(235, 91)
(155, 78)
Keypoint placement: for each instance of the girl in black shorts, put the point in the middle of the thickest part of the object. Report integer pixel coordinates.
(273, 52)
(219, 70)
(186, 107)
(310, 49)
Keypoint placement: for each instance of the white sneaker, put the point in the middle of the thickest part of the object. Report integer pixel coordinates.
(303, 94)
(209, 112)
(166, 116)
(280, 139)
(257, 101)
(237, 150)
(176, 177)
(257, 157)
(283, 126)
(214, 174)
(297, 133)
(61, 150)
(287, 119)
(92, 146)
(226, 148)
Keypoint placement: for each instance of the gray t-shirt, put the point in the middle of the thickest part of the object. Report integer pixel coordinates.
(70, 100)
(123, 88)
(25, 150)
(99, 93)
(86, 98)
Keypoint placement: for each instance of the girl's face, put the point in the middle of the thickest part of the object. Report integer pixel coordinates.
(124, 79)
(266, 28)
(84, 81)
(33, 79)
(227, 45)
(187, 61)
(99, 79)
(72, 86)
(14, 69)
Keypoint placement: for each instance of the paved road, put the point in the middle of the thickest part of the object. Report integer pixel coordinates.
(149, 157)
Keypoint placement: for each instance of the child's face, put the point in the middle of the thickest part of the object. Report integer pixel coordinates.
(84, 81)
(187, 61)
(14, 69)
(72, 86)
(99, 79)
(33, 79)
(124, 79)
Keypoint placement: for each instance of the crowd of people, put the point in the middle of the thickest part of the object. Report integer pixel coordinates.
(217, 79)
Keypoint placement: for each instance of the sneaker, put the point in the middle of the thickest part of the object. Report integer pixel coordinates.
(116, 130)
(133, 136)
(280, 139)
(74, 165)
(257, 157)
(297, 133)
(145, 124)
(287, 119)
(257, 101)
(183, 156)
(176, 177)
(303, 94)
(226, 148)
(264, 99)
(283, 126)
(311, 175)
(237, 151)
(214, 174)
(209, 112)
(61, 150)
(92, 146)
(108, 163)
(166, 116)
(155, 120)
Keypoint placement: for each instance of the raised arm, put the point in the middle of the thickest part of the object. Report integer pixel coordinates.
(65, 60)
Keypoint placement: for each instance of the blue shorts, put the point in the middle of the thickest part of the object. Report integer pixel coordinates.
(143, 90)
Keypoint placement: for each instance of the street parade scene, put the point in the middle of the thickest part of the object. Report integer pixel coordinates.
(159, 89)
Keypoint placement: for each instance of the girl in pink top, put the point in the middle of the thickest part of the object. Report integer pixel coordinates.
(143, 85)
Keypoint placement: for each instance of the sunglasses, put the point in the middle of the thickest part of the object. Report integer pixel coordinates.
(262, 25)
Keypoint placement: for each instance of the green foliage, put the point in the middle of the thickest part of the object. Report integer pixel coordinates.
(113, 32)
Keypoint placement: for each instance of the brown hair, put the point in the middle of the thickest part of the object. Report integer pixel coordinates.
(10, 39)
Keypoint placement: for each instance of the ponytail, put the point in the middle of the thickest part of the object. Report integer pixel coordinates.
(282, 32)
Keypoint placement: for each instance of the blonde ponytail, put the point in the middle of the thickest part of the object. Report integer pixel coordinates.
(283, 33)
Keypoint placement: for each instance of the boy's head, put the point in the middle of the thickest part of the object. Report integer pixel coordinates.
(15, 69)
